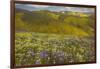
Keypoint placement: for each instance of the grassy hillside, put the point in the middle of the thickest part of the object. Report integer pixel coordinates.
(79, 24)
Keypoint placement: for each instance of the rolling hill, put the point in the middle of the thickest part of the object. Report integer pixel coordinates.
(44, 21)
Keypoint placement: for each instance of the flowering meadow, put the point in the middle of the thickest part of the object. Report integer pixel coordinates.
(39, 48)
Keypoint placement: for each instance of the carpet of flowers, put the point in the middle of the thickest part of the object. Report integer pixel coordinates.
(35, 48)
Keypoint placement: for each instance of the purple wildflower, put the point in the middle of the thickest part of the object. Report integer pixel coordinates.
(43, 54)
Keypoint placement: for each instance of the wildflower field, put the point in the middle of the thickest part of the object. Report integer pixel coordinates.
(39, 48)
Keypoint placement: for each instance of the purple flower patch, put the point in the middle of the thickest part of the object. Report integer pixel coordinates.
(43, 54)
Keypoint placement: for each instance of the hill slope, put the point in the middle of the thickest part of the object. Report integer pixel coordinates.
(54, 22)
